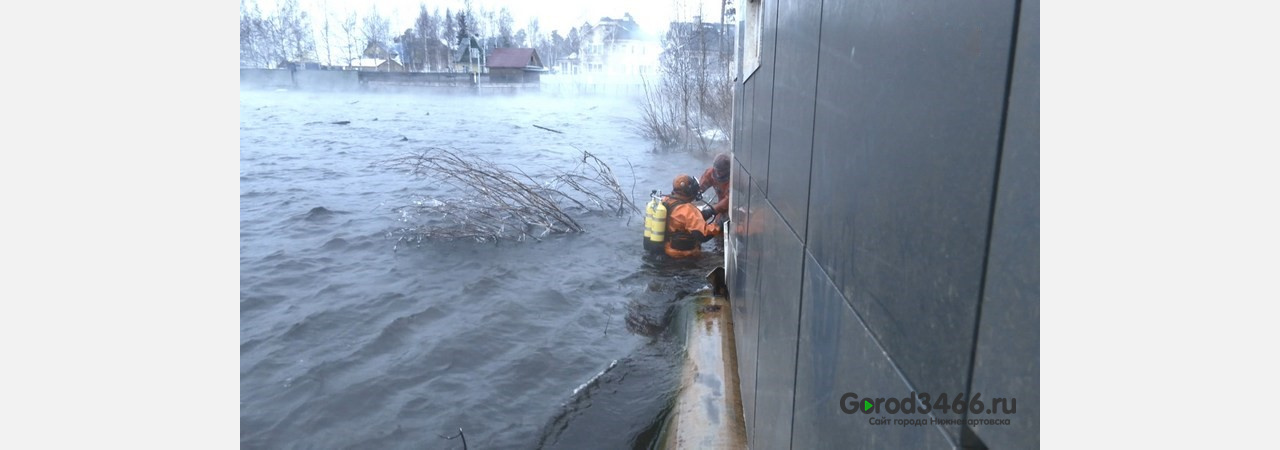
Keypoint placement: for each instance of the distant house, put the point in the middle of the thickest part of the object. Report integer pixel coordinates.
(569, 64)
(616, 47)
(375, 64)
(514, 65)
(378, 50)
(469, 56)
(715, 39)
(423, 55)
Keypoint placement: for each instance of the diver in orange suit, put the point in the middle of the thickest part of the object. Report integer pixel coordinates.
(687, 229)
(717, 176)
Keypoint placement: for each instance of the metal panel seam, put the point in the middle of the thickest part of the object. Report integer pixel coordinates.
(995, 190)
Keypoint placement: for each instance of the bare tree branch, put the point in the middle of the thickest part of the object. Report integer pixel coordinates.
(492, 202)
(459, 435)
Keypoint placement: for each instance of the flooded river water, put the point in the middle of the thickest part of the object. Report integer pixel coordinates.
(350, 341)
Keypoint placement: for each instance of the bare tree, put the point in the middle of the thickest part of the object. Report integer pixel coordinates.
(660, 113)
(295, 29)
(534, 33)
(252, 38)
(439, 40)
(690, 104)
(327, 34)
(284, 35)
(489, 26)
(351, 35)
(422, 50)
(505, 23)
(376, 30)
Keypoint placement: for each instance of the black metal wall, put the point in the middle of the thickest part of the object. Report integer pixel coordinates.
(885, 232)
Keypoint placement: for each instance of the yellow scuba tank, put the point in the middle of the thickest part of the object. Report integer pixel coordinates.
(648, 222)
(655, 223)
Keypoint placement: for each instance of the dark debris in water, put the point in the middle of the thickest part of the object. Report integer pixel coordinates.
(320, 213)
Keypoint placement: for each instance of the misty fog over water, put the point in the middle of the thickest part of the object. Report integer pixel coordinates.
(350, 341)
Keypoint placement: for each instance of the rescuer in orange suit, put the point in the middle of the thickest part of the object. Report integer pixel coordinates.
(687, 229)
(717, 176)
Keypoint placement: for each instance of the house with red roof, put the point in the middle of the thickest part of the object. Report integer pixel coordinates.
(514, 65)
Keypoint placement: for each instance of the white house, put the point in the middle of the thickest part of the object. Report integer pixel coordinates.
(619, 48)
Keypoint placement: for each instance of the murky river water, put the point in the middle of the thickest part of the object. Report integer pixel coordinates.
(347, 341)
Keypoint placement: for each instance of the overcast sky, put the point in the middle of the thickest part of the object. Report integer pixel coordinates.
(652, 15)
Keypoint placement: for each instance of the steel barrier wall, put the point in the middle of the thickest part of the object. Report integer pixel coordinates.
(886, 219)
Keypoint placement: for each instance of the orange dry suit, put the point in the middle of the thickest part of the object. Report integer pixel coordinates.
(686, 229)
(708, 181)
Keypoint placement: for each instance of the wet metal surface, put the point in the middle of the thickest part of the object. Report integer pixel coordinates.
(791, 144)
(708, 410)
(839, 355)
(888, 183)
(1008, 356)
(904, 169)
(779, 308)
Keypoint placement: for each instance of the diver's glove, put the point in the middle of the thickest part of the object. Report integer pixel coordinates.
(707, 212)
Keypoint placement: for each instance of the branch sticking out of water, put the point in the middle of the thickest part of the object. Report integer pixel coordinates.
(548, 129)
(595, 179)
(459, 435)
(493, 202)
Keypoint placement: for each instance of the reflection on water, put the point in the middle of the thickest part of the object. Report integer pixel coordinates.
(349, 343)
